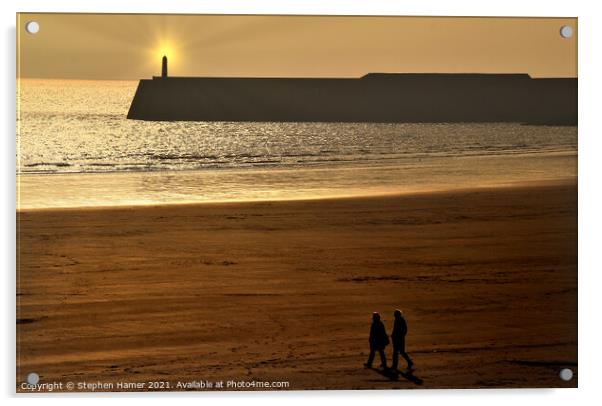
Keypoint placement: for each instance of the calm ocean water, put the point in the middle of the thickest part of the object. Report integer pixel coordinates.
(73, 132)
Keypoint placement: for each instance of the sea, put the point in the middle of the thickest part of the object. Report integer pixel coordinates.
(76, 148)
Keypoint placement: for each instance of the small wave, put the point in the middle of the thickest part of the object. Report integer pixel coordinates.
(57, 164)
(291, 155)
(177, 157)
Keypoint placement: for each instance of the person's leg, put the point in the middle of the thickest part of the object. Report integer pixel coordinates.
(407, 358)
(383, 358)
(404, 354)
(395, 357)
(370, 358)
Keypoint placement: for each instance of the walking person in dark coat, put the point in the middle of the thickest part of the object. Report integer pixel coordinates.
(400, 329)
(378, 341)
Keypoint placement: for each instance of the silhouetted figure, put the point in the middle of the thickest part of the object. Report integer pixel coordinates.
(164, 67)
(378, 341)
(400, 329)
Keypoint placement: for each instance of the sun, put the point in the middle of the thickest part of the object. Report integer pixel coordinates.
(164, 49)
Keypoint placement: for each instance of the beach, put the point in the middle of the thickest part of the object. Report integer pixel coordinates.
(283, 291)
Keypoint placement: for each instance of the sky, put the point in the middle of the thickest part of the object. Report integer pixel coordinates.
(129, 47)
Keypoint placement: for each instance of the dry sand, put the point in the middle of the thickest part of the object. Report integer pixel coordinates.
(284, 291)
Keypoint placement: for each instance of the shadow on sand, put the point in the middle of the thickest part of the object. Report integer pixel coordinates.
(394, 375)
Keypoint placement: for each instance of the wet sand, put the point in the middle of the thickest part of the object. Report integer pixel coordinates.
(284, 291)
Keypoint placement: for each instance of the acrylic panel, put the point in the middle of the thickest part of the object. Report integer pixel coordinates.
(235, 202)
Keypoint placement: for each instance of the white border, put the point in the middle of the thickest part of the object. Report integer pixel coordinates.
(590, 170)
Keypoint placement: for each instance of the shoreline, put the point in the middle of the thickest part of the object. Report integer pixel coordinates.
(374, 195)
(221, 186)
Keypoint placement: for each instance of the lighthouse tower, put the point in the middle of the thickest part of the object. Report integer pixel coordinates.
(164, 67)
